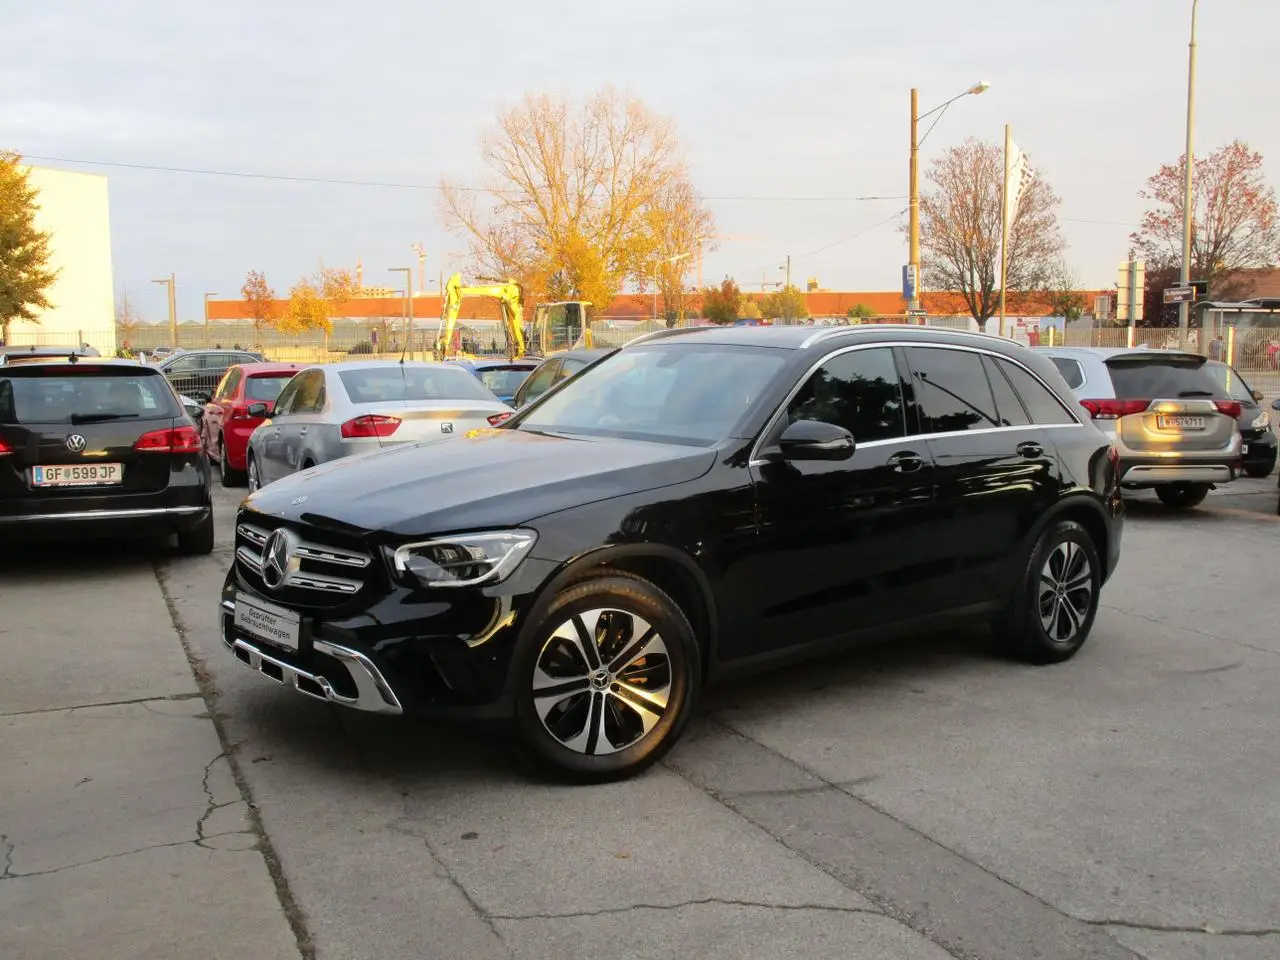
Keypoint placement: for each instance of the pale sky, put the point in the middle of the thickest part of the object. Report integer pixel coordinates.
(787, 110)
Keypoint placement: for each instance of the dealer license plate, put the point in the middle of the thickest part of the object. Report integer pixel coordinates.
(1244, 449)
(265, 621)
(79, 475)
(1180, 423)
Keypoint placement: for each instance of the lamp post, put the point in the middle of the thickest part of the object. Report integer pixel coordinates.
(173, 310)
(408, 301)
(1184, 308)
(421, 251)
(913, 229)
(206, 317)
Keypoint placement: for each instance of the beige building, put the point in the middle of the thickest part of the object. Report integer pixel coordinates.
(74, 209)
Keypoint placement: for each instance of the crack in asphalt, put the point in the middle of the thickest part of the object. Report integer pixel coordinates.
(174, 698)
(212, 806)
(719, 901)
(1201, 633)
(1207, 930)
(264, 847)
(8, 857)
(10, 875)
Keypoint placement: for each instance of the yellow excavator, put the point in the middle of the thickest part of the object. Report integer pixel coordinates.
(557, 326)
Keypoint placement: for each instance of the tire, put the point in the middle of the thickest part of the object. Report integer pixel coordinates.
(198, 540)
(1260, 470)
(1044, 625)
(592, 728)
(251, 473)
(1182, 496)
(230, 477)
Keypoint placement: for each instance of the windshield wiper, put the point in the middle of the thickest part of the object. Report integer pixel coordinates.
(100, 417)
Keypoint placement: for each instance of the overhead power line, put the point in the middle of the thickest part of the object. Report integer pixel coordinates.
(393, 185)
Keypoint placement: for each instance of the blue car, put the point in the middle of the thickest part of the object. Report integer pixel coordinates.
(503, 377)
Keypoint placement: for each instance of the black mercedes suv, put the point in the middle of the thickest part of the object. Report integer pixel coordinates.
(696, 504)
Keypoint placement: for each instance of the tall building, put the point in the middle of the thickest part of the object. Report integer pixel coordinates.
(74, 210)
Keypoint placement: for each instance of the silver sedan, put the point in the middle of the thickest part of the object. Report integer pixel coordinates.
(336, 410)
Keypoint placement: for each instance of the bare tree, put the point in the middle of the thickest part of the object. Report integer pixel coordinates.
(1233, 219)
(960, 229)
(127, 319)
(577, 197)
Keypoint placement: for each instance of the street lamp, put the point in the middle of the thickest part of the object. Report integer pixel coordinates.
(173, 310)
(1184, 308)
(913, 230)
(408, 300)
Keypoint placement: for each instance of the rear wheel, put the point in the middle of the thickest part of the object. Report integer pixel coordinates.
(1261, 468)
(1056, 599)
(199, 539)
(607, 682)
(1182, 496)
(254, 480)
(230, 477)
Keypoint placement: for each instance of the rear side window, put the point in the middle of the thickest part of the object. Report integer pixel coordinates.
(1036, 397)
(229, 383)
(380, 384)
(1008, 406)
(266, 388)
(59, 395)
(1071, 371)
(504, 381)
(951, 389)
(1162, 378)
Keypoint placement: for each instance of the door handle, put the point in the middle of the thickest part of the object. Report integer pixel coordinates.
(1030, 449)
(906, 462)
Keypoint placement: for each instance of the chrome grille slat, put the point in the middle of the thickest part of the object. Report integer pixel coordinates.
(303, 552)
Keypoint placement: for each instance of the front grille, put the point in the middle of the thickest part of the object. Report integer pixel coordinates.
(304, 571)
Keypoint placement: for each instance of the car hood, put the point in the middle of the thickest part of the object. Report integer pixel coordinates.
(491, 478)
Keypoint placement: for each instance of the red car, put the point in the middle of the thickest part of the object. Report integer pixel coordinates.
(245, 397)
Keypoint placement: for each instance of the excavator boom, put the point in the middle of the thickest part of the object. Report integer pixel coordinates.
(507, 294)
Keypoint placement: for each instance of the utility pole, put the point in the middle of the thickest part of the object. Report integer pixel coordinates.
(408, 301)
(1184, 308)
(206, 317)
(913, 205)
(173, 310)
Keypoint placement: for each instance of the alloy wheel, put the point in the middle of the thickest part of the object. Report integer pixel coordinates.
(602, 681)
(253, 474)
(1066, 591)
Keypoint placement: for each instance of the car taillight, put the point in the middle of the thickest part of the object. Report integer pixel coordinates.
(175, 440)
(1114, 409)
(1231, 408)
(498, 418)
(370, 425)
(5, 448)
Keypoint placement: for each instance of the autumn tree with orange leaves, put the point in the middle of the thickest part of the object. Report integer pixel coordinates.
(580, 197)
(261, 300)
(1233, 220)
(960, 215)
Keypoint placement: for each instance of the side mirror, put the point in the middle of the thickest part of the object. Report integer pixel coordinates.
(1257, 395)
(258, 410)
(816, 440)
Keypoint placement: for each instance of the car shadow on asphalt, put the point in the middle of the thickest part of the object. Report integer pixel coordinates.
(71, 558)
(420, 755)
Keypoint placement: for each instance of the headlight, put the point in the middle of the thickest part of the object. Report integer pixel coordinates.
(465, 560)
(1263, 421)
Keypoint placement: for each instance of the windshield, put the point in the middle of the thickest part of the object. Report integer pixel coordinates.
(1229, 382)
(397, 382)
(58, 396)
(676, 393)
(504, 381)
(266, 388)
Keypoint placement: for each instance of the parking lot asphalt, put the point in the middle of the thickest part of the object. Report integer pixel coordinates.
(920, 800)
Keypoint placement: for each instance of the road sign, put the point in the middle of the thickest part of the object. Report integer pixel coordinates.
(917, 313)
(1179, 294)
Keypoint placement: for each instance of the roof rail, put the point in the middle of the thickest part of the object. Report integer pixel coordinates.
(660, 335)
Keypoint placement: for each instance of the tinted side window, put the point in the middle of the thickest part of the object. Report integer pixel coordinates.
(951, 389)
(569, 367)
(183, 365)
(1039, 401)
(540, 381)
(859, 390)
(1008, 406)
(1071, 371)
(229, 383)
(284, 403)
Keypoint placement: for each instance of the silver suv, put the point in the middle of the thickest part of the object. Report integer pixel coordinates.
(1170, 419)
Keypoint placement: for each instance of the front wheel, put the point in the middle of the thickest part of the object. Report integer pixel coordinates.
(607, 682)
(1182, 496)
(230, 477)
(1056, 599)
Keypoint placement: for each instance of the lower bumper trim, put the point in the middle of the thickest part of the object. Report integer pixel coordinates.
(373, 693)
(139, 513)
(1178, 473)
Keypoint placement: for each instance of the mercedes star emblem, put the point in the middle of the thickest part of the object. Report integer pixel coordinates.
(276, 554)
(76, 443)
